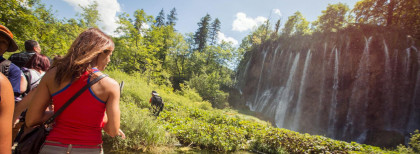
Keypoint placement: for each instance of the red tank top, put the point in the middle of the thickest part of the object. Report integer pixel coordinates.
(82, 121)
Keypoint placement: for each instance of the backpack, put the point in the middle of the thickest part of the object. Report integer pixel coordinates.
(4, 67)
(157, 101)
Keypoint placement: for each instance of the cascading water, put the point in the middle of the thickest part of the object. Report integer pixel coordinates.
(332, 117)
(348, 87)
(387, 87)
(254, 104)
(298, 111)
(285, 95)
(355, 120)
(412, 123)
(318, 109)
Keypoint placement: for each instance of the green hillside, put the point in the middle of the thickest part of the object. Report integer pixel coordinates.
(191, 122)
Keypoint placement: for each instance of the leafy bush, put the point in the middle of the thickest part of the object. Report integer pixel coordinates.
(208, 88)
(141, 129)
(415, 141)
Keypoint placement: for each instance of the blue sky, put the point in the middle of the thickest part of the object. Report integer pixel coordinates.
(238, 17)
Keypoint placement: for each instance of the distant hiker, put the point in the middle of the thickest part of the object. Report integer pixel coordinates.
(78, 129)
(10, 70)
(156, 103)
(6, 112)
(20, 59)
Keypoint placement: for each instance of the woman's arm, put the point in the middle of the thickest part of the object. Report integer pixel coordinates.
(6, 114)
(36, 109)
(23, 104)
(23, 84)
(112, 126)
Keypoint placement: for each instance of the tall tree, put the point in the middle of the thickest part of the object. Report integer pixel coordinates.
(160, 19)
(333, 18)
(90, 15)
(296, 25)
(404, 14)
(214, 29)
(201, 35)
(277, 27)
(172, 17)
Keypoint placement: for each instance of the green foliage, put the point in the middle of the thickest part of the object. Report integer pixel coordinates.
(141, 129)
(404, 14)
(206, 85)
(415, 141)
(201, 35)
(214, 30)
(30, 20)
(160, 19)
(172, 18)
(296, 25)
(333, 18)
(90, 15)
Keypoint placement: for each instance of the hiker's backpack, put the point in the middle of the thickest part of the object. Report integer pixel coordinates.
(157, 100)
(4, 67)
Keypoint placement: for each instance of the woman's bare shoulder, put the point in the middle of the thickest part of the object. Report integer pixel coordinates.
(3, 78)
(50, 74)
(107, 82)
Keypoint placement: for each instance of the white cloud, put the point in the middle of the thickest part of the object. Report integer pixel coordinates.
(221, 37)
(277, 11)
(244, 23)
(107, 10)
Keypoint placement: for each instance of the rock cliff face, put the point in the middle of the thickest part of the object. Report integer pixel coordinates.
(356, 85)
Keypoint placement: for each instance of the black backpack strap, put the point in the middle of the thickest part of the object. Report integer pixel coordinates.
(51, 119)
(4, 67)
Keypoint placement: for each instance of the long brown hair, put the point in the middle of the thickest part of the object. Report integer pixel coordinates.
(87, 46)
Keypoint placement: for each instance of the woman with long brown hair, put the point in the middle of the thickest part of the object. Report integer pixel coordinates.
(78, 128)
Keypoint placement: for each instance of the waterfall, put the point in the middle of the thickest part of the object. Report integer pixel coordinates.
(332, 116)
(387, 87)
(322, 87)
(285, 96)
(298, 110)
(355, 119)
(407, 64)
(245, 73)
(264, 99)
(274, 59)
(253, 105)
(412, 123)
(347, 87)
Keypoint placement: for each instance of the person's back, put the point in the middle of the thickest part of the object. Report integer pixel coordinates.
(156, 103)
(79, 126)
(20, 59)
(81, 122)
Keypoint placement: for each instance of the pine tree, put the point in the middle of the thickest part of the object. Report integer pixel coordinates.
(214, 29)
(172, 17)
(200, 37)
(160, 19)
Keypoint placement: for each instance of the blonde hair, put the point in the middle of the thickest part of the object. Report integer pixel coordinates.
(87, 46)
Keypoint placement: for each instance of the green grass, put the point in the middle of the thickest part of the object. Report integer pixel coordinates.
(188, 120)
